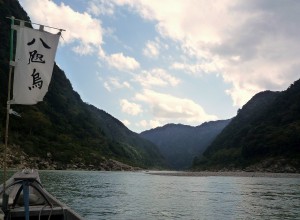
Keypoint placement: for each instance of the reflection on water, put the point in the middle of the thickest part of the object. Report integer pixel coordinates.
(118, 195)
(137, 195)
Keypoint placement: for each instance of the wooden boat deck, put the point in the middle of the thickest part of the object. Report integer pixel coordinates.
(42, 205)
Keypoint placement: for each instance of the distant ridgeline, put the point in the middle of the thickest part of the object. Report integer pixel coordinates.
(179, 144)
(63, 126)
(265, 135)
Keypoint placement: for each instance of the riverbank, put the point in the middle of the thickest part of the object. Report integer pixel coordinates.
(18, 159)
(226, 173)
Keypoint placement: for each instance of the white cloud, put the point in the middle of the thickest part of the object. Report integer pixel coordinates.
(154, 123)
(83, 49)
(166, 107)
(126, 122)
(197, 69)
(114, 83)
(151, 50)
(100, 7)
(156, 77)
(254, 45)
(121, 62)
(142, 123)
(130, 107)
(80, 28)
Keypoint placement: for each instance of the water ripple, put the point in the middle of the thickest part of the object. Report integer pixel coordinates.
(130, 195)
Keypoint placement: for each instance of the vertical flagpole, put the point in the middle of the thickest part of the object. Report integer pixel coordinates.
(8, 105)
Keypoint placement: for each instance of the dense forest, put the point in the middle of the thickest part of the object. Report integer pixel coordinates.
(179, 144)
(63, 126)
(265, 133)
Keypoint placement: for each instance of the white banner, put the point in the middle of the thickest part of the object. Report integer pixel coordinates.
(33, 65)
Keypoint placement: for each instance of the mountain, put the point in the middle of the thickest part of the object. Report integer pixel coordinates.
(263, 136)
(63, 127)
(179, 144)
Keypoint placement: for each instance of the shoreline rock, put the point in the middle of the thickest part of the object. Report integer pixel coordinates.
(17, 159)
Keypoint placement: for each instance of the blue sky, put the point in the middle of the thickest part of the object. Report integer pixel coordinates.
(149, 63)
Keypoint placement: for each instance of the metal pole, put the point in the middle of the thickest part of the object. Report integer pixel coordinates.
(6, 129)
(8, 106)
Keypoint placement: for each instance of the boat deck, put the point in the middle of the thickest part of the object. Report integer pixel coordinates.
(42, 205)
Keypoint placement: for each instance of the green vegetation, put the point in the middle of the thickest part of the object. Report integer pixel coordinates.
(179, 144)
(63, 124)
(266, 128)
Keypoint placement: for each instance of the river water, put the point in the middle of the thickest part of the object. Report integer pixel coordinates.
(138, 195)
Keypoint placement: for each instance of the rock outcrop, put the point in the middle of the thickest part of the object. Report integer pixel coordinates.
(18, 159)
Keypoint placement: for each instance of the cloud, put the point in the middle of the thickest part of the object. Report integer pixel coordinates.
(151, 50)
(121, 62)
(144, 124)
(126, 122)
(100, 7)
(130, 107)
(80, 28)
(166, 107)
(83, 49)
(197, 69)
(114, 83)
(252, 44)
(154, 123)
(156, 77)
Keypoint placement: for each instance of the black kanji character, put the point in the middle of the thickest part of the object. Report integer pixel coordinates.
(36, 80)
(35, 57)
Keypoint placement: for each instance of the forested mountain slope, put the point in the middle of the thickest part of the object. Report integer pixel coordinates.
(63, 126)
(179, 144)
(264, 135)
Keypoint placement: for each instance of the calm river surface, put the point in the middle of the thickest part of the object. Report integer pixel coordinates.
(138, 195)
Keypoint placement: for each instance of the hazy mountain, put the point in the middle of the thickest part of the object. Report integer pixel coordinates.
(179, 144)
(264, 135)
(63, 125)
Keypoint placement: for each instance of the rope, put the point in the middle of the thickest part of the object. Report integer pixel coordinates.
(26, 198)
(28, 22)
(40, 213)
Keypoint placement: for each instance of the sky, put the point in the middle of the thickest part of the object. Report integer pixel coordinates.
(153, 62)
